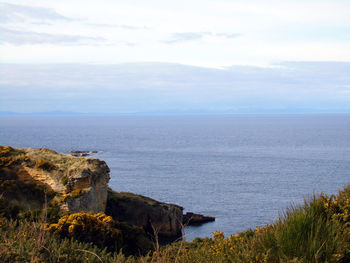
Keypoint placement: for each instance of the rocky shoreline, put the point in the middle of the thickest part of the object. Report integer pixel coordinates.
(78, 183)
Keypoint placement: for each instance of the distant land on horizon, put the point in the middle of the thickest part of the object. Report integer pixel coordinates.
(168, 88)
(174, 113)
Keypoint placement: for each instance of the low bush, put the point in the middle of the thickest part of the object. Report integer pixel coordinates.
(18, 190)
(10, 156)
(88, 227)
(102, 231)
(6, 151)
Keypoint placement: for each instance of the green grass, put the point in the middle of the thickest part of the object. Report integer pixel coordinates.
(27, 242)
(318, 231)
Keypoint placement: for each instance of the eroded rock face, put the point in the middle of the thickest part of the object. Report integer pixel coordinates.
(80, 183)
(155, 217)
(93, 180)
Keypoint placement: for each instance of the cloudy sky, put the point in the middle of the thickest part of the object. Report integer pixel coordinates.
(157, 55)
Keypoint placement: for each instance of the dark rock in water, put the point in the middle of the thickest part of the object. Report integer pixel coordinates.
(78, 151)
(81, 153)
(191, 219)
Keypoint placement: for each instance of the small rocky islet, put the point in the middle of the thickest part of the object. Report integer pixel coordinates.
(80, 153)
(73, 183)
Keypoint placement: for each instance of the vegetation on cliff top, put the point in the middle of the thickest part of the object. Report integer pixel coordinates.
(45, 159)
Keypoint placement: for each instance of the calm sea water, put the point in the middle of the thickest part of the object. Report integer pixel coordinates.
(242, 169)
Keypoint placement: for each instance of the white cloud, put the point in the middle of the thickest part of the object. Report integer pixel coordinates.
(17, 37)
(126, 27)
(192, 36)
(254, 32)
(21, 13)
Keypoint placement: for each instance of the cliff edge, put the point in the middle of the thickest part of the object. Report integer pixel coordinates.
(72, 183)
(31, 177)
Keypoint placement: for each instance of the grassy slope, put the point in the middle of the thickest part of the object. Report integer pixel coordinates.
(318, 231)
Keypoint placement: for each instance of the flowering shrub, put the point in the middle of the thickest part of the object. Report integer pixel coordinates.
(88, 227)
(103, 231)
(6, 151)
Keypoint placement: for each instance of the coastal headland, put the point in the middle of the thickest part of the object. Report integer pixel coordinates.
(59, 208)
(73, 184)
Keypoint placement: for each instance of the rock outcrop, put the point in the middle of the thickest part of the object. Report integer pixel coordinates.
(81, 153)
(78, 183)
(155, 217)
(192, 219)
(75, 184)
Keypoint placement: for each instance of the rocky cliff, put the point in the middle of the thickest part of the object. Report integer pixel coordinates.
(75, 183)
(80, 184)
(155, 217)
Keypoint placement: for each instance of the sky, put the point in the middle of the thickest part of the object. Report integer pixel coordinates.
(132, 56)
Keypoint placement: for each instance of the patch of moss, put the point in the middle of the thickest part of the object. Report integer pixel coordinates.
(77, 192)
(73, 194)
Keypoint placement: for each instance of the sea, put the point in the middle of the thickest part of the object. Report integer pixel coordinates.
(245, 170)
